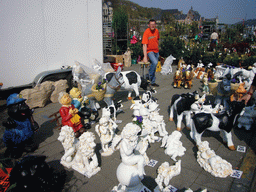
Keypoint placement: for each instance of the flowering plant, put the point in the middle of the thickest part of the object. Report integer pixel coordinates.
(138, 121)
(99, 86)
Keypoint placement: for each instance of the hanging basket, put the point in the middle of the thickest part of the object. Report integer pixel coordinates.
(99, 94)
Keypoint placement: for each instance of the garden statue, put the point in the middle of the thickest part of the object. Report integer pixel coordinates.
(166, 173)
(205, 84)
(156, 119)
(106, 131)
(167, 67)
(147, 97)
(224, 92)
(136, 106)
(173, 145)
(69, 114)
(178, 79)
(246, 117)
(77, 98)
(181, 104)
(80, 103)
(189, 75)
(19, 127)
(131, 170)
(211, 162)
(69, 143)
(85, 160)
(216, 122)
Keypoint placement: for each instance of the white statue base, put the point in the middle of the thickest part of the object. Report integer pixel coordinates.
(85, 172)
(106, 153)
(128, 176)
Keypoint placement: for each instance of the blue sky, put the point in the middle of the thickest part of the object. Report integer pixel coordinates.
(228, 11)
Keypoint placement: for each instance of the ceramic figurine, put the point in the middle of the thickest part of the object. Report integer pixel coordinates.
(189, 75)
(216, 122)
(69, 114)
(106, 131)
(239, 93)
(147, 126)
(85, 160)
(181, 104)
(246, 117)
(77, 98)
(136, 106)
(132, 81)
(178, 79)
(167, 67)
(173, 145)
(224, 92)
(80, 103)
(166, 173)
(211, 162)
(69, 143)
(131, 170)
(147, 97)
(157, 119)
(19, 127)
(205, 84)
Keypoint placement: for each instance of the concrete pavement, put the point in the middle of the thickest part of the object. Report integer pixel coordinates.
(192, 175)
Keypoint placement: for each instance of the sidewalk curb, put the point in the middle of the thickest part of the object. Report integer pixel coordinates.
(247, 181)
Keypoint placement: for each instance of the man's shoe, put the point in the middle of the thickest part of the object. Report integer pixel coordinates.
(155, 85)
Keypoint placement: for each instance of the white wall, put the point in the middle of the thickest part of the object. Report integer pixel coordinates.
(39, 35)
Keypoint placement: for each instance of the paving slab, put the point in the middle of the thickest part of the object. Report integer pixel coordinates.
(192, 175)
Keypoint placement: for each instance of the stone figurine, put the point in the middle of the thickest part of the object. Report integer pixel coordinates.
(166, 173)
(211, 162)
(85, 160)
(70, 145)
(131, 170)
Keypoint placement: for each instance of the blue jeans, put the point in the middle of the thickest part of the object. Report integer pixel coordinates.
(152, 70)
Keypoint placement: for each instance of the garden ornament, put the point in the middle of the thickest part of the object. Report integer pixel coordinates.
(85, 160)
(167, 67)
(19, 127)
(216, 122)
(211, 162)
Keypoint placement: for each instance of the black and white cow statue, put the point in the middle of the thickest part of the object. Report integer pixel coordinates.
(182, 105)
(132, 81)
(216, 122)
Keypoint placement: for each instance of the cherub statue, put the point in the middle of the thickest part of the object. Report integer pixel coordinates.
(211, 162)
(157, 119)
(106, 131)
(166, 173)
(69, 143)
(128, 144)
(86, 161)
(173, 145)
(69, 114)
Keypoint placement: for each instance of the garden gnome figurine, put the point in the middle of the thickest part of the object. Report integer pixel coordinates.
(69, 114)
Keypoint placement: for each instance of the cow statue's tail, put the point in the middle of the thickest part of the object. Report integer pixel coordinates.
(144, 83)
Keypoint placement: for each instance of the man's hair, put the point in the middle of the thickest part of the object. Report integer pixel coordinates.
(152, 20)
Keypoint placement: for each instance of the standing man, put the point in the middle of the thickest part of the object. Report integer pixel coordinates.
(150, 43)
(214, 39)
